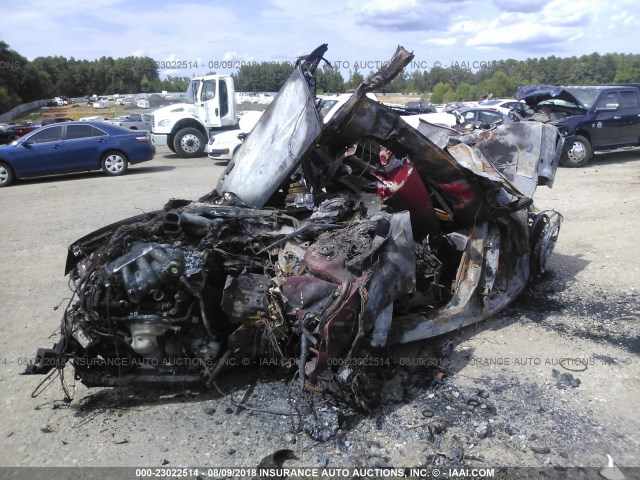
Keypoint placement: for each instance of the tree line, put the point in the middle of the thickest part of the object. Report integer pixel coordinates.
(458, 83)
(23, 81)
(502, 78)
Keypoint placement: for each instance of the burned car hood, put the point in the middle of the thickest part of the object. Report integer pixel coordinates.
(264, 160)
(534, 94)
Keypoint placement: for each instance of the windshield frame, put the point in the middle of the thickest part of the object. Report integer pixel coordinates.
(191, 94)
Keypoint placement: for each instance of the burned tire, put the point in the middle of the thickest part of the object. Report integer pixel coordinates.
(543, 236)
(114, 163)
(579, 154)
(6, 175)
(189, 143)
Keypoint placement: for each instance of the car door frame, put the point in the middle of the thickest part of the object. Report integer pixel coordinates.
(210, 106)
(631, 117)
(37, 159)
(88, 156)
(608, 125)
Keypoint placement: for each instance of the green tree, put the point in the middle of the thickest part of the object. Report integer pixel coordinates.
(398, 84)
(7, 100)
(355, 79)
(438, 75)
(627, 69)
(442, 92)
(417, 82)
(145, 84)
(265, 76)
(329, 80)
(499, 85)
(11, 75)
(466, 92)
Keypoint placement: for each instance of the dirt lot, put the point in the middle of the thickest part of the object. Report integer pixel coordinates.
(552, 381)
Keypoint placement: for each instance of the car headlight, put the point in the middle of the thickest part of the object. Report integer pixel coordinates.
(164, 123)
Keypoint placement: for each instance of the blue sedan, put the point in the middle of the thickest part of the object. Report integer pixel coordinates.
(74, 147)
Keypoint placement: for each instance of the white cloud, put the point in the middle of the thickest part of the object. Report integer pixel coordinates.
(465, 25)
(555, 27)
(624, 18)
(407, 15)
(534, 38)
(524, 6)
(441, 42)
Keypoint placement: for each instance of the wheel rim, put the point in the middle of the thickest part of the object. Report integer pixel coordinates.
(190, 143)
(4, 175)
(114, 163)
(577, 152)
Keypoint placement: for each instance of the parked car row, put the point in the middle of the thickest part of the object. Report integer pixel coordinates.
(222, 146)
(74, 147)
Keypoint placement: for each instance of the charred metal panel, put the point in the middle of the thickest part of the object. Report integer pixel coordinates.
(471, 159)
(371, 119)
(526, 153)
(503, 265)
(287, 130)
(438, 134)
(394, 277)
(399, 60)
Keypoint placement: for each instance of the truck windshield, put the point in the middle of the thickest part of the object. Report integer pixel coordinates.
(586, 96)
(192, 91)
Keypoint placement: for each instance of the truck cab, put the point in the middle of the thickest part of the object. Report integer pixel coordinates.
(603, 117)
(209, 108)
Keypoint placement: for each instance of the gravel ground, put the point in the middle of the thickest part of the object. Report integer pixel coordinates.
(552, 381)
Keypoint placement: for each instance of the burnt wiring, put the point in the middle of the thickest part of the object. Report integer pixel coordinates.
(115, 341)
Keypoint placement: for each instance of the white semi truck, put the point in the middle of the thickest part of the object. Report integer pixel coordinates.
(209, 108)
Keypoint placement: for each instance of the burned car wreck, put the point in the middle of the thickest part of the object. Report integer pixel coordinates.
(320, 241)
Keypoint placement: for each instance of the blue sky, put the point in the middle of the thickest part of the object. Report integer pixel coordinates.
(363, 31)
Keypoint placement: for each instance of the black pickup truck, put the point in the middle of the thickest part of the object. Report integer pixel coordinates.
(602, 117)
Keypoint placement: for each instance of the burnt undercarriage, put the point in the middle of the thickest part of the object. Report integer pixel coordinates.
(343, 240)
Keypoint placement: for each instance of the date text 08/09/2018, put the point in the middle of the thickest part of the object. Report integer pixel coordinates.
(315, 472)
